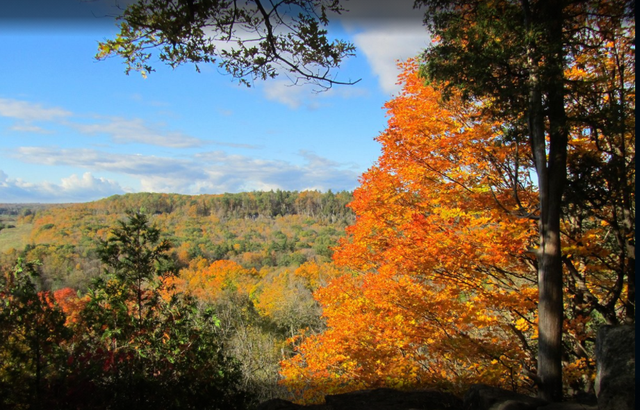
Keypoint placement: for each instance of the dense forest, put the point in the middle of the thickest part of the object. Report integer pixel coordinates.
(252, 259)
(257, 230)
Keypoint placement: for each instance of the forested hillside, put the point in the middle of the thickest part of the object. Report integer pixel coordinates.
(256, 230)
(254, 258)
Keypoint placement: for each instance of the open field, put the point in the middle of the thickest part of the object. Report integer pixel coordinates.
(13, 237)
(18, 236)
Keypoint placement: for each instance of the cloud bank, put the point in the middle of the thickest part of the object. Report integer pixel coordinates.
(119, 130)
(72, 189)
(203, 173)
(122, 131)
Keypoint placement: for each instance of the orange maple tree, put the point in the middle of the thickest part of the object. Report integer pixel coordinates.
(70, 303)
(209, 280)
(446, 292)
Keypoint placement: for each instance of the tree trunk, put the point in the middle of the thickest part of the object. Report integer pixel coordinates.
(551, 172)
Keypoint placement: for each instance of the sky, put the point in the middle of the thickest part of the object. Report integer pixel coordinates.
(74, 129)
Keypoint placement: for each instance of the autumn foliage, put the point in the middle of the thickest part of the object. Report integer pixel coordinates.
(434, 285)
(122, 345)
(445, 295)
(444, 249)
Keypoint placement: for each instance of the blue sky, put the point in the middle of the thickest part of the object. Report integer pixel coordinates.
(73, 129)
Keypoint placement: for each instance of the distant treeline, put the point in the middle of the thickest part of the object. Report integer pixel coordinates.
(327, 206)
(18, 209)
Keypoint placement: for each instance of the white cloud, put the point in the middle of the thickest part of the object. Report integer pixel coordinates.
(293, 96)
(88, 182)
(296, 96)
(28, 127)
(71, 189)
(120, 130)
(210, 172)
(236, 173)
(27, 111)
(234, 145)
(157, 174)
(384, 48)
(123, 130)
(385, 32)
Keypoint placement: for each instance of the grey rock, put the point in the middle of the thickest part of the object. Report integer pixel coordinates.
(569, 406)
(616, 367)
(279, 404)
(390, 399)
(483, 397)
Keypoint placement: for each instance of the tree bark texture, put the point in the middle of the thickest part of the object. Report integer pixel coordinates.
(546, 78)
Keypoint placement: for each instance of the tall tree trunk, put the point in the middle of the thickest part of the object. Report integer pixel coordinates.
(627, 243)
(550, 307)
(551, 172)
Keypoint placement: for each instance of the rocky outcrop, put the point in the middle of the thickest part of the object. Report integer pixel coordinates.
(376, 399)
(478, 397)
(482, 397)
(569, 406)
(279, 404)
(390, 399)
(616, 367)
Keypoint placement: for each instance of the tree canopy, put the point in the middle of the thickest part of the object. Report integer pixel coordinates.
(129, 342)
(249, 39)
(443, 290)
(519, 56)
(445, 294)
